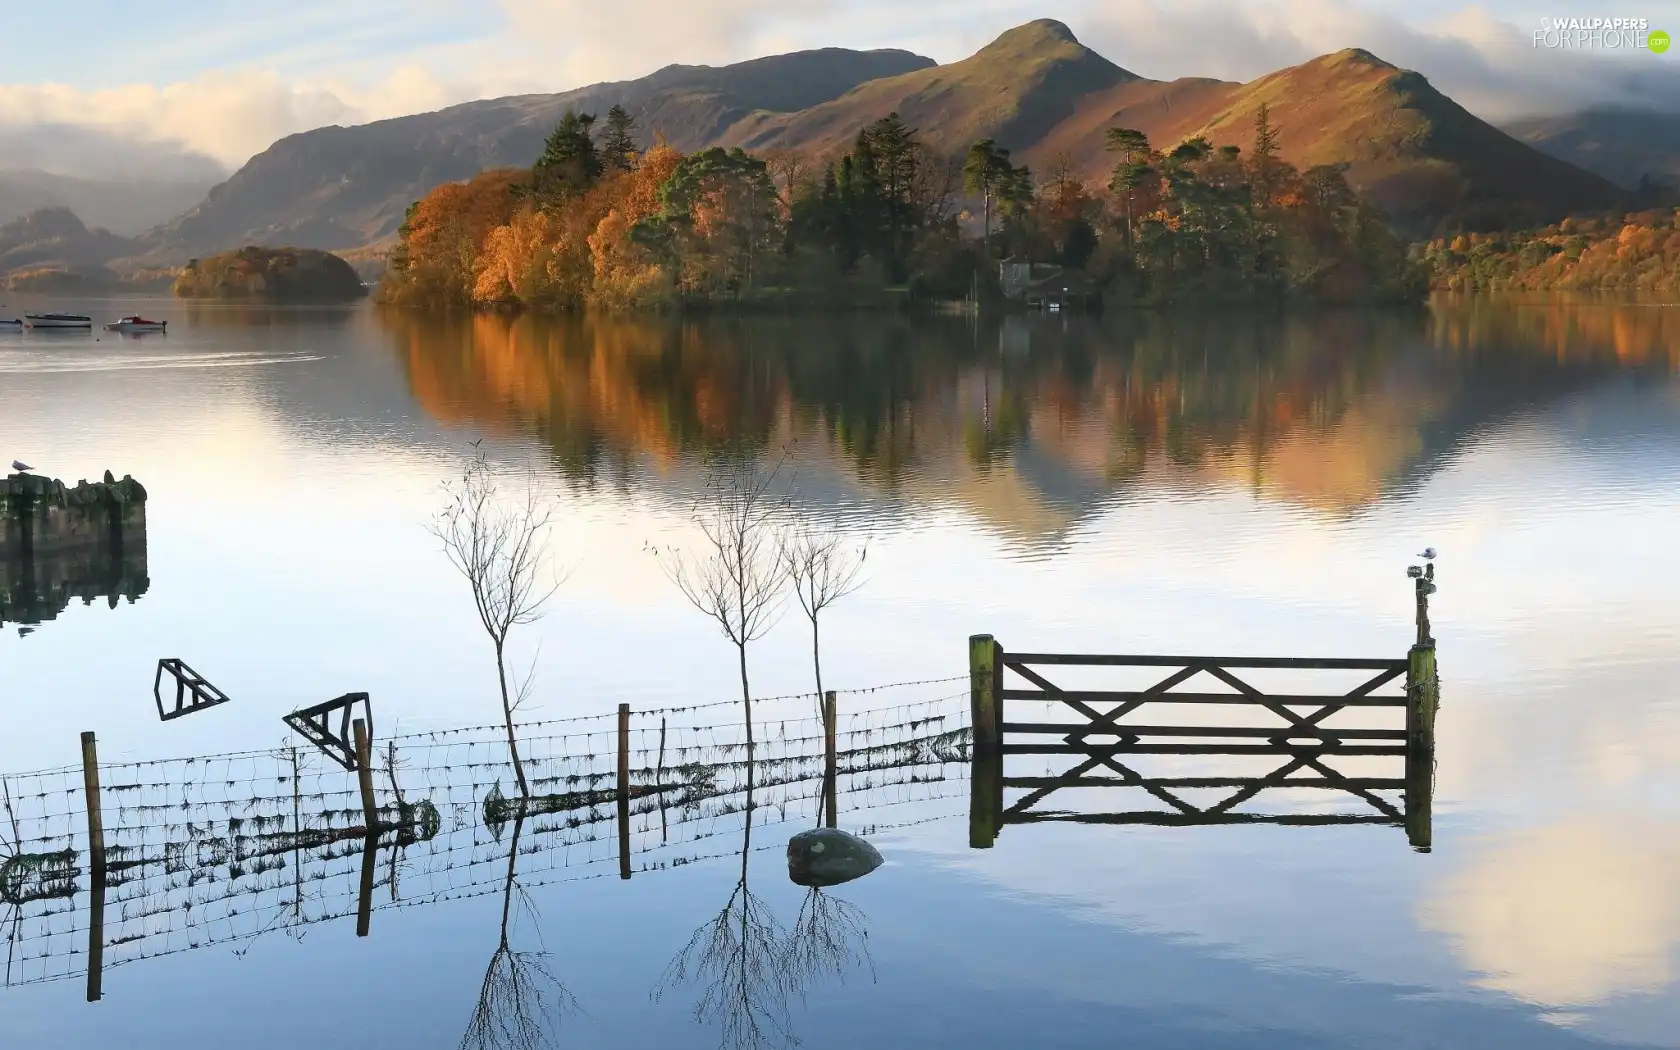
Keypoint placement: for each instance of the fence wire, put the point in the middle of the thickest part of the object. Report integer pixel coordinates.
(225, 849)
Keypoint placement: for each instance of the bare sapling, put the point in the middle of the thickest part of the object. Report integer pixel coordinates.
(497, 544)
(823, 565)
(735, 574)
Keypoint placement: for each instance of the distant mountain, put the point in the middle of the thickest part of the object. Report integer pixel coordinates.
(342, 187)
(1622, 145)
(124, 206)
(1043, 95)
(54, 238)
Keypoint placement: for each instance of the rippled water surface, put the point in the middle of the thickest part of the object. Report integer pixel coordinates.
(1229, 485)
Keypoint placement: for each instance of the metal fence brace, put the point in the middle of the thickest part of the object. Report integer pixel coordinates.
(187, 682)
(316, 725)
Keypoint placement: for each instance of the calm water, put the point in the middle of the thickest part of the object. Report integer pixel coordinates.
(1227, 485)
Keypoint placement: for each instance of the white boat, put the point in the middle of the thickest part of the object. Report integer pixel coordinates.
(135, 323)
(11, 322)
(57, 321)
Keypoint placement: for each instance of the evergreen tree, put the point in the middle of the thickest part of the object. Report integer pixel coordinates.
(1263, 159)
(569, 163)
(618, 145)
(984, 171)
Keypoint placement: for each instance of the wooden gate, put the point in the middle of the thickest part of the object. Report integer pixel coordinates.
(1113, 726)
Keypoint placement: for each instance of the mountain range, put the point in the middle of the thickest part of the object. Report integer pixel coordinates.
(1036, 90)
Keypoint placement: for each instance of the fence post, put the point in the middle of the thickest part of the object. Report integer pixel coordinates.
(831, 761)
(1423, 696)
(96, 866)
(983, 674)
(624, 791)
(364, 775)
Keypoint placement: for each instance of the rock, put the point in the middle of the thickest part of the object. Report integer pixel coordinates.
(828, 857)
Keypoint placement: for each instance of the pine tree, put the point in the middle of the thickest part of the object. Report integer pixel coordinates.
(569, 163)
(985, 170)
(1263, 158)
(618, 146)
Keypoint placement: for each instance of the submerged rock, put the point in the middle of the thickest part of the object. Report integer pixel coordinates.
(828, 857)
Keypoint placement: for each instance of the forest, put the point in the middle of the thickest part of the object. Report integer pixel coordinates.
(598, 223)
(1620, 252)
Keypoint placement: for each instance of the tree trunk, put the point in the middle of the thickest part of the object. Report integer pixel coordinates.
(746, 698)
(507, 717)
(816, 663)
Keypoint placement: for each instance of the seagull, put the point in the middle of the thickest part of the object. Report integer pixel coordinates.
(18, 464)
(1427, 555)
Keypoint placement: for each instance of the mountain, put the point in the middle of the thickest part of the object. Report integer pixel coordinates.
(1015, 89)
(1036, 89)
(54, 238)
(340, 187)
(125, 206)
(1623, 145)
(1045, 96)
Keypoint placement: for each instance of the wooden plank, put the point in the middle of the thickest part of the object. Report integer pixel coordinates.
(1127, 729)
(1287, 699)
(1202, 749)
(1098, 660)
(1338, 783)
(1182, 820)
(364, 777)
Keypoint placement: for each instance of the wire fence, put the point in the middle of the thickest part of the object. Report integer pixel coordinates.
(224, 849)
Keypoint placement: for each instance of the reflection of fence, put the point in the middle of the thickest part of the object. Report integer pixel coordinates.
(224, 849)
(1290, 733)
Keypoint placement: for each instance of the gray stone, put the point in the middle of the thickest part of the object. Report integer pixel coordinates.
(828, 857)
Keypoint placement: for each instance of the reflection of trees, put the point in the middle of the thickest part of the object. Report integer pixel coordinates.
(829, 937)
(521, 1003)
(1250, 399)
(738, 963)
(747, 967)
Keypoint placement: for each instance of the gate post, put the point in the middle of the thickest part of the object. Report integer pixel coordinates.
(1423, 696)
(985, 803)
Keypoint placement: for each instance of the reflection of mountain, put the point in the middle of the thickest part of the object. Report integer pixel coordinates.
(1036, 424)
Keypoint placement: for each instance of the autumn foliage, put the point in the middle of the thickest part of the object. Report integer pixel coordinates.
(1638, 251)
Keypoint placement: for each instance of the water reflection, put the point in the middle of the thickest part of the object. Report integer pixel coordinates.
(1567, 915)
(521, 1003)
(1034, 422)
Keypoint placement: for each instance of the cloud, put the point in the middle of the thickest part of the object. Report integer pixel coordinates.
(1567, 915)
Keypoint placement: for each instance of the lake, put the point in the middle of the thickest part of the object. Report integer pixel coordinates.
(1196, 484)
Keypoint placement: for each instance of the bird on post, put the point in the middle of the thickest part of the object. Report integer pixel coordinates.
(20, 465)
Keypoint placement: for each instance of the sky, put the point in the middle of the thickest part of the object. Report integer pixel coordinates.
(223, 79)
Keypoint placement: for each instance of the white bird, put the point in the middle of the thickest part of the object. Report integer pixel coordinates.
(1427, 555)
(18, 464)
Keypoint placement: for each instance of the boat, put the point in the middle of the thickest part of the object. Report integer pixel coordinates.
(57, 321)
(134, 323)
(11, 322)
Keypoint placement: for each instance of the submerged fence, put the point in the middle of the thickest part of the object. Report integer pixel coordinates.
(224, 849)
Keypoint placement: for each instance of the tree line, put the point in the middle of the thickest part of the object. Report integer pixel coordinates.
(598, 222)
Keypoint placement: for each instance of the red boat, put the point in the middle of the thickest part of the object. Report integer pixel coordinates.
(136, 324)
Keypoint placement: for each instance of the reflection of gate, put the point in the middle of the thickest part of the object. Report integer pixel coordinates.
(1115, 732)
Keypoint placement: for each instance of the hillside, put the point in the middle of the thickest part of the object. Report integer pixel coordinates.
(1622, 145)
(1014, 90)
(1043, 95)
(54, 238)
(272, 275)
(339, 187)
(124, 206)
